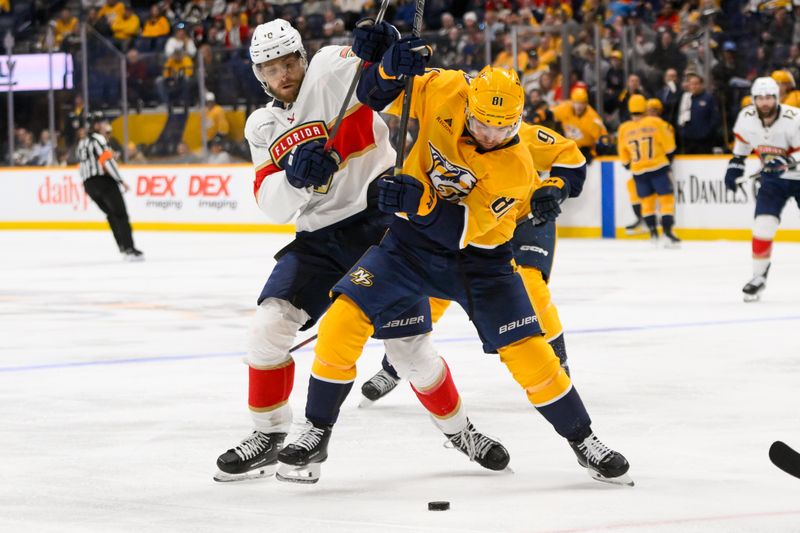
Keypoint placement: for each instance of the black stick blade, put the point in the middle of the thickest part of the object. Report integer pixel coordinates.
(785, 458)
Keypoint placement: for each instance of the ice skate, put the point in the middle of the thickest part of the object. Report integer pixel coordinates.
(255, 457)
(484, 450)
(671, 240)
(753, 289)
(602, 463)
(637, 228)
(377, 387)
(299, 462)
(132, 255)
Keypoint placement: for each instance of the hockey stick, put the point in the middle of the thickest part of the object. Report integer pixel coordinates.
(785, 458)
(303, 343)
(353, 85)
(416, 31)
(744, 179)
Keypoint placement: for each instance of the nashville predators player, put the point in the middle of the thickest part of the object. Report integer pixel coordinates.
(458, 197)
(646, 146)
(533, 243)
(580, 122)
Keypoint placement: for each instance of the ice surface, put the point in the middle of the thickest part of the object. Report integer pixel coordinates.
(121, 383)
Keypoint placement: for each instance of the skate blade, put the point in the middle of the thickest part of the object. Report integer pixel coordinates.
(267, 471)
(624, 479)
(635, 231)
(749, 298)
(365, 402)
(298, 474)
(669, 245)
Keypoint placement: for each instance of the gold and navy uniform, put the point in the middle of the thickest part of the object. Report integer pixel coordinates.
(645, 144)
(455, 249)
(488, 188)
(585, 129)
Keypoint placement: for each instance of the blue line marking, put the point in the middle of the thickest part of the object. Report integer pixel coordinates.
(373, 343)
(609, 230)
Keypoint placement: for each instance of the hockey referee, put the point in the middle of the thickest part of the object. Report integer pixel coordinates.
(102, 180)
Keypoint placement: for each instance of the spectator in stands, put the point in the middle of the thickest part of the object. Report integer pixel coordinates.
(139, 83)
(350, 11)
(698, 117)
(74, 122)
(44, 152)
(24, 150)
(195, 12)
(217, 154)
(176, 79)
(533, 73)
(537, 111)
(154, 32)
(134, 155)
(632, 86)
(111, 11)
(216, 121)
(789, 95)
(505, 59)
(580, 122)
(166, 8)
(670, 96)
(615, 82)
(65, 30)
(180, 40)
(185, 156)
(125, 28)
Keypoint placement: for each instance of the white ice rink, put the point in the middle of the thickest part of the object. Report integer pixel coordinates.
(120, 384)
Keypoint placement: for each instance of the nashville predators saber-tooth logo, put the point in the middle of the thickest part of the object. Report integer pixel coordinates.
(361, 276)
(451, 181)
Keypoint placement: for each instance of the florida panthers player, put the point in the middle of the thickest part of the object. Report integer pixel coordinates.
(772, 130)
(333, 198)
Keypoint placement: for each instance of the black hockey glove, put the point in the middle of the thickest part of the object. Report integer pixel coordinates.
(734, 172)
(775, 166)
(406, 57)
(547, 199)
(405, 194)
(371, 41)
(309, 165)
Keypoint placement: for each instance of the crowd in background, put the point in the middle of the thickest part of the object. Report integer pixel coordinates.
(666, 58)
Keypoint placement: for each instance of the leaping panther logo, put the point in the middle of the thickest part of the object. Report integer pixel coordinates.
(451, 181)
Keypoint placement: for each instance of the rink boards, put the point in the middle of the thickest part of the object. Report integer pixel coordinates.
(220, 198)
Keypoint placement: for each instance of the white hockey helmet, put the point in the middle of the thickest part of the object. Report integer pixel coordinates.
(765, 87)
(274, 39)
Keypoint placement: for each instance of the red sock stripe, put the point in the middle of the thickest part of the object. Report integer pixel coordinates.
(761, 249)
(443, 399)
(270, 387)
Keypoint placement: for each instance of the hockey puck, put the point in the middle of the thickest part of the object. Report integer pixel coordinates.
(438, 506)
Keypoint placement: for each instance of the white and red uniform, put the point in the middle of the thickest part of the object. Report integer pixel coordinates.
(781, 138)
(362, 143)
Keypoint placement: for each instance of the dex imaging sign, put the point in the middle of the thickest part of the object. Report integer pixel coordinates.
(31, 72)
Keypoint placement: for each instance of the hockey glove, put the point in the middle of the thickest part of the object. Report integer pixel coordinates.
(309, 165)
(734, 172)
(406, 57)
(547, 199)
(371, 41)
(775, 166)
(405, 194)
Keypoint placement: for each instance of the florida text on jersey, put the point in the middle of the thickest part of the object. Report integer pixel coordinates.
(781, 138)
(362, 145)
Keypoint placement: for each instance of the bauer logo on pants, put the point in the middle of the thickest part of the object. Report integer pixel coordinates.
(361, 276)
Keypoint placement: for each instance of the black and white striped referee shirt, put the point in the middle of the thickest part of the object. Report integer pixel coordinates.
(96, 158)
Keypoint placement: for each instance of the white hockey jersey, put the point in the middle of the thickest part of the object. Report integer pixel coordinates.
(362, 143)
(781, 138)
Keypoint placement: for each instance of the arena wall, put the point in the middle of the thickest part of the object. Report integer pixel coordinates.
(220, 198)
